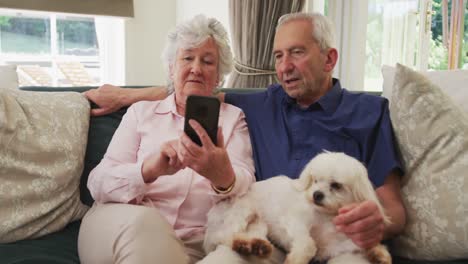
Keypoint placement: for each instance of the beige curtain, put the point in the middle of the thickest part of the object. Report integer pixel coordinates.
(121, 8)
(253, 24)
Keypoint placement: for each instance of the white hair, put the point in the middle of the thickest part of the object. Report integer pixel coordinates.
(322, 27)
(191, 34)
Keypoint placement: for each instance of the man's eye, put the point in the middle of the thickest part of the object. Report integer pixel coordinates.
(297, 52)
(187, 58)
(335, 186)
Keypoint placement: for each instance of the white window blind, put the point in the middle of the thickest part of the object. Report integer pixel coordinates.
(119, 8)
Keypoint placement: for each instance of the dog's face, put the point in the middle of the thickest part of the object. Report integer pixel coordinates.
(332, 180)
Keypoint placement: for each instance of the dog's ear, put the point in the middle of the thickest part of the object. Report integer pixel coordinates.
(364, 191)
(304, 181)
(362, 188)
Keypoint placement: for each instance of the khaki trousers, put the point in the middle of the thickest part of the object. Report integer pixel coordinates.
(131, 234)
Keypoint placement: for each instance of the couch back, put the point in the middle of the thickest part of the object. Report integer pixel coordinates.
(102, 128)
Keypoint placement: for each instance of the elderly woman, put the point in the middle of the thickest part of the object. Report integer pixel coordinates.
(154, 186)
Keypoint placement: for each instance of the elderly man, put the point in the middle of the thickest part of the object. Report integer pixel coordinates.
(307, 113)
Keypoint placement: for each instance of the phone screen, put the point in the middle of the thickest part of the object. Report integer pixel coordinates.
(205, 110)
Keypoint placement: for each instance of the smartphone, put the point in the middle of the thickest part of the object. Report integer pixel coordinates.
(205, 110)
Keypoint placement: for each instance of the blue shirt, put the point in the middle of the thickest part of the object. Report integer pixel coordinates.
(285, 137)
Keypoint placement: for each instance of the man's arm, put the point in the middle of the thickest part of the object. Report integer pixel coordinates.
(111, 98)
(390, 196)
(363, 222)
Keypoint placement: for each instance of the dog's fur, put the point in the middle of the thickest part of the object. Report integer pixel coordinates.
(296, 215)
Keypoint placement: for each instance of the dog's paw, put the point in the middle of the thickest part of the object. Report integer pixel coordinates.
(379, 255)
(242, 247)
(261, 248)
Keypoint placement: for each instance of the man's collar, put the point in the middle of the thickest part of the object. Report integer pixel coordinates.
(329, 102)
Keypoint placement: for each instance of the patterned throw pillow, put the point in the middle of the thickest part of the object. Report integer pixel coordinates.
(451, 82)
(432, 134)
(42, 147)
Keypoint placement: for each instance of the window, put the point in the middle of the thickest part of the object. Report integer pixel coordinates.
(50, 49)
(409, 32)
(371, 33)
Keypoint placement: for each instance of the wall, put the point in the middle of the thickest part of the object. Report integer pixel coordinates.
(218, 9)
(145, 36)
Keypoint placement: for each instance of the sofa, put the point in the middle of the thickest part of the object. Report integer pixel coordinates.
(61, 246)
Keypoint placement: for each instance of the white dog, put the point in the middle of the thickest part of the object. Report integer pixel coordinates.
(296, 215)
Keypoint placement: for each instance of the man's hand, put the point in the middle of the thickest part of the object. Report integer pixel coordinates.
(164, 163)
(208, 160)
(108, 97)
(362, 223)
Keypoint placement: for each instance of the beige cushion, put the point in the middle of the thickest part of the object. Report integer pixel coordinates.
(8, 77)
(432, 134)
(42, 147)
(454, 83)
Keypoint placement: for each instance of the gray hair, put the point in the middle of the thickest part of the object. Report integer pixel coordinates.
(191, 34)
(323, 31)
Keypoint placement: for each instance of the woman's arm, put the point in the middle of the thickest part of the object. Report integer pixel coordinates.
(121, 176)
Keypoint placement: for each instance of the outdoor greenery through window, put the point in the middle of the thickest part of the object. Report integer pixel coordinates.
(50, 49)
(438, 57)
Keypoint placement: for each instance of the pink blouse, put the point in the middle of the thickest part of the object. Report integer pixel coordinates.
(183, 198)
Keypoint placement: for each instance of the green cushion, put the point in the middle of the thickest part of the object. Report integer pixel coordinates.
(59, 247)
(101, 130)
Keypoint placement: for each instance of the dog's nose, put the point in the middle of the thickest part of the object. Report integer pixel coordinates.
(318, 196)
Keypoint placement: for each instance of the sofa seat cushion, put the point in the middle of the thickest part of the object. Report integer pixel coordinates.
(59, 247)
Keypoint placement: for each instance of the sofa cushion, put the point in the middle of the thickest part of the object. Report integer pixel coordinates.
(55, 248)
(8, 77)
(431, 134)
(452, 82)
(101, 130)
(43, 138)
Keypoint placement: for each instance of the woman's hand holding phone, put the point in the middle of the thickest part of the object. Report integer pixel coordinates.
(209, 160)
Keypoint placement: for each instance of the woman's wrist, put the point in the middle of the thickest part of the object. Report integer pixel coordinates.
(149, 175)
(224, 190)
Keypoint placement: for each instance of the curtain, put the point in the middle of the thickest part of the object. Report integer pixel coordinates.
(122, 8)
(399, 32)
(457, 24)
(350, 21)
(110, 34)
(253, 25)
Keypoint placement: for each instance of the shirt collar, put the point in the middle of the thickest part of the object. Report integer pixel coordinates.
(329, 102)
(167, 105)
